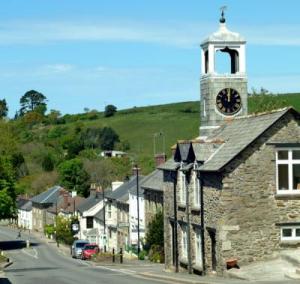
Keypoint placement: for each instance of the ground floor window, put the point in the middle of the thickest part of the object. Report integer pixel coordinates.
(184, 242)
(198, 254)
(290, 233)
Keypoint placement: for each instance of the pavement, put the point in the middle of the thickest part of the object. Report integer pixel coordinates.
(285, 268)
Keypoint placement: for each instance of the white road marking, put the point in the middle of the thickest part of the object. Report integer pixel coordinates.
(27, 251)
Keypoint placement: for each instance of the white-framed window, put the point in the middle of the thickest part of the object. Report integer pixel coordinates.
(184, 242)
(182, 188)
(290, 233)
(288, 170)
(197, 197)
(198, 255)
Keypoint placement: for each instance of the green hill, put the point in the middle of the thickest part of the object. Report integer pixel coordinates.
(147, 129)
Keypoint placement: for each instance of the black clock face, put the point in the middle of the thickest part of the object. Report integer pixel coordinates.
(228, 101)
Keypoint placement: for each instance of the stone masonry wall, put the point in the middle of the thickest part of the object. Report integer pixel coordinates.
(249, 208)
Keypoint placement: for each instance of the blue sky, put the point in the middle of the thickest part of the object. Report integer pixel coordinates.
(91, 53)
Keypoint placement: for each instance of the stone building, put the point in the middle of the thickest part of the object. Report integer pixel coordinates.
(152, 187)
(40, 204)
(237, 197)
(231, 196)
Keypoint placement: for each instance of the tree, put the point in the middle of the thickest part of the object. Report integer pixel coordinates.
(155, 234)
(3, 108)
(74, 177)
(108, 138)
(33, 101)
(63, 230)
(7, 189)
(110, 110)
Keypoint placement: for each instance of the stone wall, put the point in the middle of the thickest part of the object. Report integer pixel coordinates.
(153, 202)
(249, 206)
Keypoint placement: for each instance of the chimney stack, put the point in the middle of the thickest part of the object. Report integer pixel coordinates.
(160, 159)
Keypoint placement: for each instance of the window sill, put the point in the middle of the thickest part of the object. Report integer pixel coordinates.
(196, 208)
(182, 205)
(184, 261)
(292, 243)
(197, 267)
(288, 195)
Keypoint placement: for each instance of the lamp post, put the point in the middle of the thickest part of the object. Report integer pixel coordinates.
(136, 170)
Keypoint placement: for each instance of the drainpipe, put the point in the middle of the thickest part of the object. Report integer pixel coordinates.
(175, 220)
(202, 224)
(188, 224)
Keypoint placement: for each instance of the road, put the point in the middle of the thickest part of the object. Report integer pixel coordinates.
(43, 264)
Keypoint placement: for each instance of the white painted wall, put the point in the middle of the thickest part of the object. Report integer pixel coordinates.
(25, 219)
(133, 220)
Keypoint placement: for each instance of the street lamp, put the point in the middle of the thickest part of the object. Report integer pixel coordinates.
(136, 170)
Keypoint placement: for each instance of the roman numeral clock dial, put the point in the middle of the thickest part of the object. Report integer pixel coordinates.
(228, 101)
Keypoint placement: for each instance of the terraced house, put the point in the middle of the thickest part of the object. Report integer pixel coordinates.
(232, 196)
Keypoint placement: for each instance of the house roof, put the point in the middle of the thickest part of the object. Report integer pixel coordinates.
(49, 196)
(66, 206)
(90, 202)
(153, 181)
(237, 134)
(169, 165)
(27, 206)
(122, 192)
(100, 214)
(21, 202)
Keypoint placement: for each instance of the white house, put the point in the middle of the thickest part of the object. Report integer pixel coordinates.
(90, 222)
(136, 207)
(25, 214)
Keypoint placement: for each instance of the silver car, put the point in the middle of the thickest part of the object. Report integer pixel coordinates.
(77, 248)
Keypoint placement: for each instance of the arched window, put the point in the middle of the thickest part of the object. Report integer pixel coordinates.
(227, 61)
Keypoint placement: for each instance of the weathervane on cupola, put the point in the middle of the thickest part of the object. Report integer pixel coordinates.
(222, 19)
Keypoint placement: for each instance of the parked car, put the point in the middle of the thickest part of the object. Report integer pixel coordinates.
(77, 248)
(88, 250)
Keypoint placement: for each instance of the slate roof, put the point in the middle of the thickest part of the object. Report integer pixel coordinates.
(169, 165)
(47, 197)
(66, 206)
(100, 214)
(90, 202)
(27, 206)
(21, 202)
(153, 181)
(237, 134)
(204, 150)
(122, 192)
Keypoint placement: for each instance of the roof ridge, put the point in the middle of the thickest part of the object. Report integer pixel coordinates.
(263, 113)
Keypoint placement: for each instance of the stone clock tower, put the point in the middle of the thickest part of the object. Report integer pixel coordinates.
(224, 94)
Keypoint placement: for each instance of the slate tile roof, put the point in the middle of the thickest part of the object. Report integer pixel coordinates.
(237, 134)
(47, 197)
(122, 192)
(27, 206)
(90, 202)
(153, 181)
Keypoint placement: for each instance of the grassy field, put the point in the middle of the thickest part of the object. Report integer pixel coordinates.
(176, 121)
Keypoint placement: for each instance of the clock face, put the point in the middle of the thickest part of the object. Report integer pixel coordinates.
(228, 101)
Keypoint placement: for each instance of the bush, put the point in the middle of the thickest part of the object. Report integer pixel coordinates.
(156, 254)
(142, 255)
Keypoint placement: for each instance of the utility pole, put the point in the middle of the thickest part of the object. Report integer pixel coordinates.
(136, 169)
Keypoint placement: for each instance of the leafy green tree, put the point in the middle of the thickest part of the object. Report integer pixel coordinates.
(155, 234)
(110, 110)
(7, 189)
(33, 101)
(74, 177)
(63, 230)
(48, 163)
(3, 108)
(108, 138)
